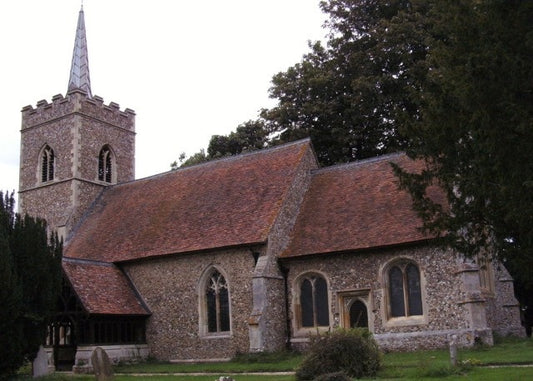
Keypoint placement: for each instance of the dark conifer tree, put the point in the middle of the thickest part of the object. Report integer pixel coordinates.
(11, 339)
(31, 278)
(475, 129)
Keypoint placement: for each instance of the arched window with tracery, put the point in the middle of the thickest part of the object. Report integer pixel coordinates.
(47, 164)
(314, 306)
(405, 294)
(105, 165)
(217, 303)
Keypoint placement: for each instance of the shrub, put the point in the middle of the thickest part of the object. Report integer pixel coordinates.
(354, 352)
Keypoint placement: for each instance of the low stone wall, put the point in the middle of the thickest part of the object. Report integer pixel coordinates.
(116, 353)
(413, 341)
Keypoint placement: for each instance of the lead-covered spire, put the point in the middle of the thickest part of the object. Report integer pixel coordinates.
(79, 70)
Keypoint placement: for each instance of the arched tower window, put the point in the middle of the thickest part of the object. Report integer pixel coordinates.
(217, 303)
(47, 164)
(105, 165)
(314, 306)
(405, 296)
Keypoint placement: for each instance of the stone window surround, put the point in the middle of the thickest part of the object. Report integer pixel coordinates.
(388, 320)
(112, 156)
(298, 330)
(39, 173)
(202, 305)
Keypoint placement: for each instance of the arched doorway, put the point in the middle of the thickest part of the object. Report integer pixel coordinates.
(358, 315)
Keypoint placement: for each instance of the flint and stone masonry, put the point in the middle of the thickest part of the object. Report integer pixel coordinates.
(76, 128)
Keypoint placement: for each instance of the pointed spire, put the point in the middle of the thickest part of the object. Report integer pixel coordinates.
(79, 70)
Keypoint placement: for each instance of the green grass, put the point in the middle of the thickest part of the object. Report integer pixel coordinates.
(264, 362)
(422, 365)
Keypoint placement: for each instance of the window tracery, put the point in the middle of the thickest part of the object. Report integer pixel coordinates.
(313, 301)
(217, 303)
(47, 164)
(105, 166)
(405, 295)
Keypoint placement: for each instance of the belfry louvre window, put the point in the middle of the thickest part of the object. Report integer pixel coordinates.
(405, 295)
(47, 164)
(105, 165)
(217, 303)
(314, 302)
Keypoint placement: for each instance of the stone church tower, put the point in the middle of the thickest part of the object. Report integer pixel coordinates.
(73, 147)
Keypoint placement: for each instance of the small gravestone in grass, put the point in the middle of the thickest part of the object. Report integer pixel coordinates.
(103, 370)
(453, 351)
(40, 364)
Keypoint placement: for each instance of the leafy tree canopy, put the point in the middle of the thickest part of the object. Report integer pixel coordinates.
(249, 136)
(346, 95)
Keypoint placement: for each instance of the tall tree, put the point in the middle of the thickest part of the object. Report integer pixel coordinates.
(11, 339)
(347, 96)
(248, 136)
(30, 282)
(475, 130)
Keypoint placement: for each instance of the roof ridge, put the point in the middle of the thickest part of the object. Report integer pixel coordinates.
(358, 163)
(261, 151)
(83, 261)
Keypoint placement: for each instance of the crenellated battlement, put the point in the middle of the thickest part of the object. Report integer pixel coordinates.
(77, 101)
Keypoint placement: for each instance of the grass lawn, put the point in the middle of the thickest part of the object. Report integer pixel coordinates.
(268, 362)
(422, 365)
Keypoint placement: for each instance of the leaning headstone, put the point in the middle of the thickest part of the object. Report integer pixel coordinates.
(40, 364)
(101, 365)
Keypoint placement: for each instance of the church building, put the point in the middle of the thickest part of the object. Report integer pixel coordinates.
(249, 253)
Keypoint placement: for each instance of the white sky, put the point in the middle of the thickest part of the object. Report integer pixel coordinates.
(189, 68)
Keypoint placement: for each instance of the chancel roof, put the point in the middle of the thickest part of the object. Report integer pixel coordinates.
(102, 288)
(354, 207)
(223, 203)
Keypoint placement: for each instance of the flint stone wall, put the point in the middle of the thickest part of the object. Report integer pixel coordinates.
(170, 286)
(76, 128)
(450, 305)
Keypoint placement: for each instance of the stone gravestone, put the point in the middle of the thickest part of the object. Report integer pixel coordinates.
(453, 351)
(40, 364)
(101, 365)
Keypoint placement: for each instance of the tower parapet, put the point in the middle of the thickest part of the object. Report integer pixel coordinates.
(77, 101)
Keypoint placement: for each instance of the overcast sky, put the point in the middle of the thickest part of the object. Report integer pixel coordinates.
(190, 69)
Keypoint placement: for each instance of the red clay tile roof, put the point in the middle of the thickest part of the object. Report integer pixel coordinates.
(103, 288)
(355, 206)
(222, 203)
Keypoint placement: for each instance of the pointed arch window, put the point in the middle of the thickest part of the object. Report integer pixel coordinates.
(314, 310)
(47, 164)
(217, 303)
(105, 165)
(405, 296)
